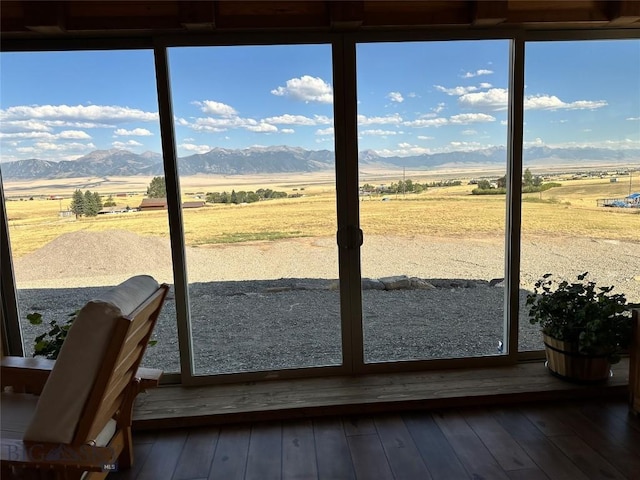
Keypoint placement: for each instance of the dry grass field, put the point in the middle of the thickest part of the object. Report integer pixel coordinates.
(568, 210)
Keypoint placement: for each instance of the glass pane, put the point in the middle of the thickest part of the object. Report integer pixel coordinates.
(78, 126)
(432, 135)
(254, 132)
(582, 167)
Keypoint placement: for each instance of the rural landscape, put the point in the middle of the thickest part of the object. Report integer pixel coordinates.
(438, 232)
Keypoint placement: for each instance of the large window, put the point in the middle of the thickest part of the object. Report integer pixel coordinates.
(432, 190)
(580, 211)
(264, 185)
(80, 146)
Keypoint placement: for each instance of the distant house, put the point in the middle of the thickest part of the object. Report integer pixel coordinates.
(193, 204)
(153, 204)
(112, 210)
(161, 204)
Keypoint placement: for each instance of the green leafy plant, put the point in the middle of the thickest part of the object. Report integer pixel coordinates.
(593, 318)
(48, 344)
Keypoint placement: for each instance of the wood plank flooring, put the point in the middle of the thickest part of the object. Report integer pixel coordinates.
(571, 440)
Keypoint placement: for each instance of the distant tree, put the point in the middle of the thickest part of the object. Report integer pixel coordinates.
(527, 179)
(109, 202)
(98, 201)
(502, 182)
(77, 203)
(157, 188)
(91, 208)
(484, 184)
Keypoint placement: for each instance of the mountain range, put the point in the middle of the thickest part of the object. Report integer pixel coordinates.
(283, 159)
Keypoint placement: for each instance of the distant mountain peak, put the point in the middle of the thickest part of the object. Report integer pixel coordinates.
(285, 159)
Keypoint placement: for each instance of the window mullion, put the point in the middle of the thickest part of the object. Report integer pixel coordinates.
(514, 195)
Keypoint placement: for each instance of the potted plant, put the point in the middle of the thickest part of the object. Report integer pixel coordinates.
(584, 327)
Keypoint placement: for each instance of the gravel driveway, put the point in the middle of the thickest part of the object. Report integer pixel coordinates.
(270, 305)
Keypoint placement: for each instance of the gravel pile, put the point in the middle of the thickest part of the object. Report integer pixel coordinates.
(269, 305)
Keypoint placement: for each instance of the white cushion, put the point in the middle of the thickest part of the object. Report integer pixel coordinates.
(17, 412)
(67, 389)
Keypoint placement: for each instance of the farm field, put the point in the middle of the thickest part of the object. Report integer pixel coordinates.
(568, 210)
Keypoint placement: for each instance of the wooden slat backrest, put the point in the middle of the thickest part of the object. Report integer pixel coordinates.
(122, 358)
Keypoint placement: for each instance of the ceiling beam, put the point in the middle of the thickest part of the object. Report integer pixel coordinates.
(624, 12)
(44, 17)
(490, 12)
(197, 15)
(347, 15)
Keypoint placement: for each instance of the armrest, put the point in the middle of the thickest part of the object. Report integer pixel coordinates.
(25, 374)
(149, 377)
(29, 375)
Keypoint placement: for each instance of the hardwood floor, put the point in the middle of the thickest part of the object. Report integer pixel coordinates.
(581, 439)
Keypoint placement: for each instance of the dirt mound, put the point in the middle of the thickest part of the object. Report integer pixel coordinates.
(88, 254)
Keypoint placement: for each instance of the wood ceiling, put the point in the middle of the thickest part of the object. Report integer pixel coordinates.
(60, 19)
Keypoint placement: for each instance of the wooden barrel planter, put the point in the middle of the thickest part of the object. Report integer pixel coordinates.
(564, 361)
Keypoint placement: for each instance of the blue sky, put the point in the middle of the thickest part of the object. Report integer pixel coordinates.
(415, 97)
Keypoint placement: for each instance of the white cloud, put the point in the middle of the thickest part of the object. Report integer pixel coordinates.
(74, 134)
(467, 118)
(497, 99)
(49, 146)
(191, 147)
(138, 132)
(127, 144)
(469, 132)
(633, 119)
(535, 143)
(412, 94)
(477, 73)
(379, 132)
(438, 108)
(288, 119)
(427, 122)
(24, 125)
(485, 85)
(323, 120)
(262, 127)
(325, 131)
(210, 124)
(457, 91)
(287, 130)
(393, 119)
(494, 99)
(624, 144)
(424, 137)
(404, 150)
(306, 89)
(467, 146)
(104, 113)
(395, 97)
(216, 108)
